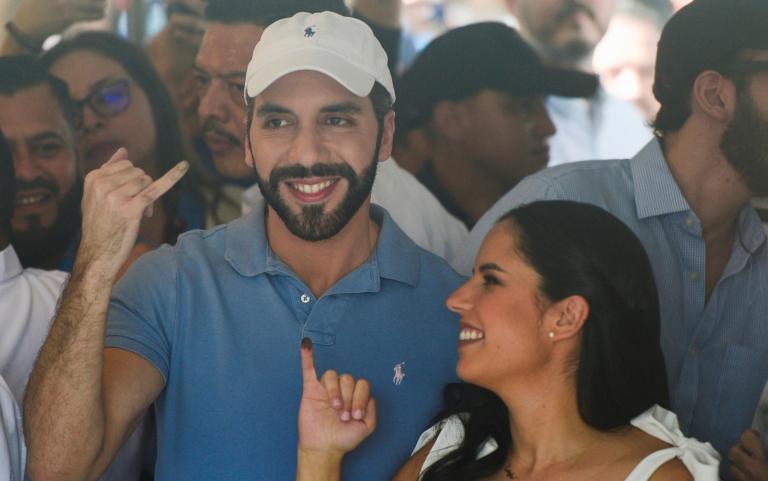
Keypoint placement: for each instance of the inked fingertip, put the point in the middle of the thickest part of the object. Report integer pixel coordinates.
(306, 343)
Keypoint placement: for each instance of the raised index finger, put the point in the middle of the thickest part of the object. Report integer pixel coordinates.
(162, 185)
(308, 372)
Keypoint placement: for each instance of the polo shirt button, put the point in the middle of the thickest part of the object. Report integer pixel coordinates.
(692, 352)
(693, 276)
(305, 299)
(689, 222)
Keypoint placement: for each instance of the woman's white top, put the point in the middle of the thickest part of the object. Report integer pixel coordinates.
(701, 459)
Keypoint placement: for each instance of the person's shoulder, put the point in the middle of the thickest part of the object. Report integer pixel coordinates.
(581, 171)
(673, 470)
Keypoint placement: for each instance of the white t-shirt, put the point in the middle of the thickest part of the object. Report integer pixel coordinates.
(701, 459)
(13, 453)
(28, 299)
(412, 206)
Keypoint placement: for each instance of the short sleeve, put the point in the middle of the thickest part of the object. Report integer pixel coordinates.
(142, 310)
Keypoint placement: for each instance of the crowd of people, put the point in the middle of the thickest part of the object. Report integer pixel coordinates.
(255, 249)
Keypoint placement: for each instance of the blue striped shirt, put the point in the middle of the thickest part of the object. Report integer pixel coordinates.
(716, 352)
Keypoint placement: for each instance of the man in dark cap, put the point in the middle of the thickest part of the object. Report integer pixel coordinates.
(476, 96)
(687, 197)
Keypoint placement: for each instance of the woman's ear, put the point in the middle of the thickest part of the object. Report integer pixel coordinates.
(564, 319)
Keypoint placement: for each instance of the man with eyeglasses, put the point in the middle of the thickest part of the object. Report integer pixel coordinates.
(37, 117)
(687, 197)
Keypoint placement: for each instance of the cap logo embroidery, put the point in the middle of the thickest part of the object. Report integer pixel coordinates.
(310, 32)
(399, 374)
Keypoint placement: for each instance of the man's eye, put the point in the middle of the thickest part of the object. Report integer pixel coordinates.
(48, 149)
(338, 121)
(275, 123)
(201, 80)
(489, 280)
(238, 88)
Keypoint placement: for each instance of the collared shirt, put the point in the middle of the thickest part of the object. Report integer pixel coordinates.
(716, 352)
(28, 300)
(221, 317)
(13, 453)
(412, 206)
(601, 127)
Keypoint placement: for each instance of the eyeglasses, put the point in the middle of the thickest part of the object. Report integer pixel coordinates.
(107, 100)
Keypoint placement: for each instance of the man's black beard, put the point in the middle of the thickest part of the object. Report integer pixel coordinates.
(312, 224)
(45, 247)
(745, 144)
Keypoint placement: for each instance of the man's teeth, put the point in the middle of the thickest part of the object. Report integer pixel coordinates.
(312, 188)
(470, 335)
(29, 199)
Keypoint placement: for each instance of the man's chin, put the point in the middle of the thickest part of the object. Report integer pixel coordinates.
(232, 167)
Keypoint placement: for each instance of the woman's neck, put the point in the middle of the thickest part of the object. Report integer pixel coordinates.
(546, 427)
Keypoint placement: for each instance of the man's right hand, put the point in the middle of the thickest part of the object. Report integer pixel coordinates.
(114, 199)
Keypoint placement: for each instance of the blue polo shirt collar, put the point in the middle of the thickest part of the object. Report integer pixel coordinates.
(656, 192)
(396, 256)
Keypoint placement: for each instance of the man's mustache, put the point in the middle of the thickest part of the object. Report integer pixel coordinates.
(38, 183)
(212, 125)
(570, 8)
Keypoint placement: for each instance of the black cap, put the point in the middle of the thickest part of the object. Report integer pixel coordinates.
(469, 59)
(706, 35)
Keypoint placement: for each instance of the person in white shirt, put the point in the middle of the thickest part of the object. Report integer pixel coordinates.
(27, 296)
(13, 453)
(565, 33)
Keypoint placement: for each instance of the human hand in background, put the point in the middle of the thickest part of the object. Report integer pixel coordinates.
(748, 459)
(39, 19)
(337, 413)
(114, 198)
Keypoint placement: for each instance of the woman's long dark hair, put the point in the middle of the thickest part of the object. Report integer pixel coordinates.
(577, 249)
(171, 146)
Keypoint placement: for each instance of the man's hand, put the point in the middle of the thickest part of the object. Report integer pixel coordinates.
(114, 199)
(337, 412)
(748, 460)
(39, 19)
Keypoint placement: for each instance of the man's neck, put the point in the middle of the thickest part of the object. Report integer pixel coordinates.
(322, 264)
(710, 185)
(4, 241)
(472, 188)
(550, 58)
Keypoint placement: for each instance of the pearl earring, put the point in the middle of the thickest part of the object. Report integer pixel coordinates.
(551, 334)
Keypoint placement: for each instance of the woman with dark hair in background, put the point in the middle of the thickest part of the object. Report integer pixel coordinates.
(123, 103)
(559, 350)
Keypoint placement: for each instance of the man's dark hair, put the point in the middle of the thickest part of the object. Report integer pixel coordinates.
(266, 12)
(22, 72)
(7, 186)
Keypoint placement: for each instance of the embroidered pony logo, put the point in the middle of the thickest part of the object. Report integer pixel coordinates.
(399, 374)
(310, 32)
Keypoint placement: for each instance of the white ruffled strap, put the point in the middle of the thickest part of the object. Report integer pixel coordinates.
(700, 458)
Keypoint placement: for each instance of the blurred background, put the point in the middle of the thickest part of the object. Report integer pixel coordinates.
(624, 59)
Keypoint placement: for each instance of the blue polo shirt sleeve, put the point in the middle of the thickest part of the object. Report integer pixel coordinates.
(142, 310)
(530, 189)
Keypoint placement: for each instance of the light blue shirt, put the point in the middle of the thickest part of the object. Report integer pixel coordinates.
(221, 317)
(716, 352)
(595, 128)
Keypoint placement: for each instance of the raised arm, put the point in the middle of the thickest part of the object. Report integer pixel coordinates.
(83, 401)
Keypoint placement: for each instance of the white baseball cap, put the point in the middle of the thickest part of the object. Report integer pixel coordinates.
(343, 48)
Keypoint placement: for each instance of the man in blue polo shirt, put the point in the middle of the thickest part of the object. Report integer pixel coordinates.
(686, 196)
(209, 330)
